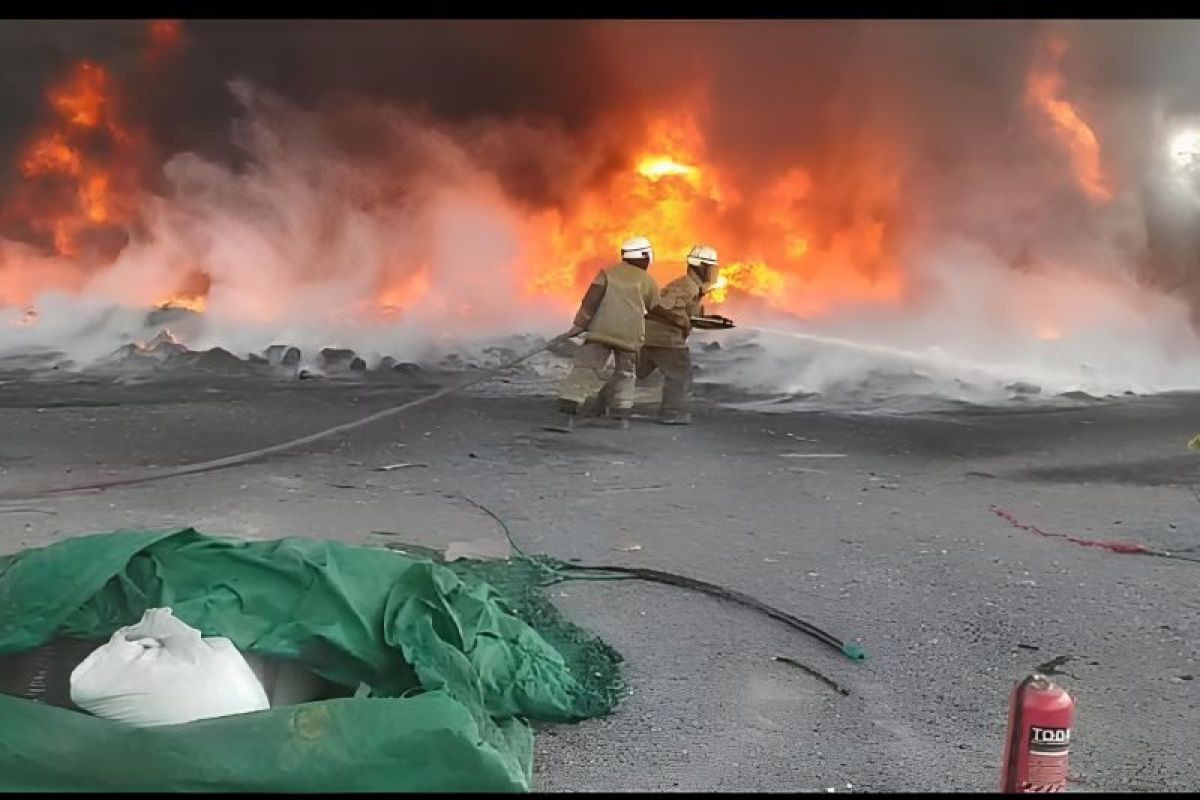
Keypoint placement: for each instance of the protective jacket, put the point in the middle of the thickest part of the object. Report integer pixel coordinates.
(670, 324)
(614, 309)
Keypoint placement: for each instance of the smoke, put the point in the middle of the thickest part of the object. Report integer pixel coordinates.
(988, 335)
(384, 185)
(296, 243)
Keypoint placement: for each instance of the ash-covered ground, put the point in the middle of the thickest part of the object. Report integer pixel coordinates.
(866, 515)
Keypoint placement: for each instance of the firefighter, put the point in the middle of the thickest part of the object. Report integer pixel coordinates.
(612, 321)
(667, 329)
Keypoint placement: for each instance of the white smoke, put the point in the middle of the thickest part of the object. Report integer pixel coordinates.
(300, 243)
(982, 333)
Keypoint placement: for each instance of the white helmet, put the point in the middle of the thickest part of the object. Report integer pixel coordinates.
(637, 247)
(702, 255)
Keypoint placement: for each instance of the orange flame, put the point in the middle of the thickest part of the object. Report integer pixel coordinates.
(51, 155)
(752, 278)
(396, 297)
(94, 195)
(804, 251)
(80, 101)
(191, 302)
(661, 167)
(81, 191)
(1043, 92)
(657, 197)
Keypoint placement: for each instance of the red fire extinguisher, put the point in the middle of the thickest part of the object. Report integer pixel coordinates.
(1040, 717)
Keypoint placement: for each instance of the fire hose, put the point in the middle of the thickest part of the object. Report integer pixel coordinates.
(238, 459)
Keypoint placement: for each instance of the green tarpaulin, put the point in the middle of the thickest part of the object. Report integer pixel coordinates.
(455, 668)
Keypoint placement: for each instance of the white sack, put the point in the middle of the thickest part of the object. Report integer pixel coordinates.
(161, 672)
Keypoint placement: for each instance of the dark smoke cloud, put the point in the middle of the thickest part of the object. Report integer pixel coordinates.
(558, 73)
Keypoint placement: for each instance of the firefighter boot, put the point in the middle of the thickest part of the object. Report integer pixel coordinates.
(676, 418)
(594, 406)
(566, 417)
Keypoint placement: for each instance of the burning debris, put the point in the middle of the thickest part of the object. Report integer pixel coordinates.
(162, 348)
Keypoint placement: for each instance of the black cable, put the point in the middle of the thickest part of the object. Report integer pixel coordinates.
(849, 649)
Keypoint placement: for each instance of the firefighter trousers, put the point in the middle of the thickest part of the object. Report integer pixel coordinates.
(676, 366)
(587, 374)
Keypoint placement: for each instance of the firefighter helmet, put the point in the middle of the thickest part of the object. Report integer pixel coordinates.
(702, 255)
(637, 247)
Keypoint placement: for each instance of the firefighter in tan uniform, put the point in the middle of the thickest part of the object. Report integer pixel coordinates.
(612, 321)
(667, 330)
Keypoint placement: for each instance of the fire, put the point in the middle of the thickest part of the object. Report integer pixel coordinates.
(661, 196)
(803, 239)
(805, 236)
(1043, 92)
(52, 155)
(753, 278)
(69, 190)
(191, 302)
(94, 196)
(397, 297)
(654, 169)
(81, 99)
(805, 249)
